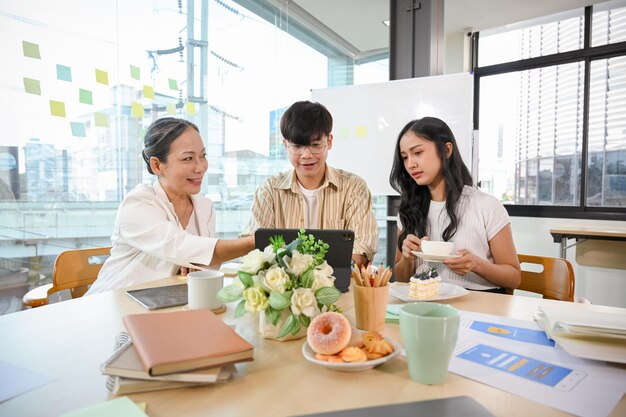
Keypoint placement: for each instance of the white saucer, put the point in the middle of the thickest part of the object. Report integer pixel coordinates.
(446, 292)
(309, 355)
(433, 258)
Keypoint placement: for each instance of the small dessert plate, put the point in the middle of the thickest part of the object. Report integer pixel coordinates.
(433, 258)
(309, 355)
(446, 292)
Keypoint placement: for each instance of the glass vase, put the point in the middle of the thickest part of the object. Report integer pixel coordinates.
(269, 331)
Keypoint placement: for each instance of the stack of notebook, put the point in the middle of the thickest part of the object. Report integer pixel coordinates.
(173, 350)
(598, 335)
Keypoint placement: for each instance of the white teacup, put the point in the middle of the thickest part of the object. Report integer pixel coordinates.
(203, 287)
(437, 247)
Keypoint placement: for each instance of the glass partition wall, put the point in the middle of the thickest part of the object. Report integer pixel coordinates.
(83, 80)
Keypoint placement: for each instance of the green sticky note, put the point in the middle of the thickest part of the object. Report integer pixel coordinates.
(78, 129)
(64, 73)
(101, 119)
(85, 96)
(31, 50)
(137, 110)
(122, 407)
(32, 86)
(102, 77)
(190, 108)
(57, 108)
(171, 108)
(173, 84)
(148, 91)
(343, 133)
(135, 72)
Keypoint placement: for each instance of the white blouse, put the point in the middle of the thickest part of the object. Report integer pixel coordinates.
(481, 216)
(149, 243)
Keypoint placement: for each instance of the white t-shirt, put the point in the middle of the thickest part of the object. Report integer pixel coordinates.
(311, 206)
(481, 216)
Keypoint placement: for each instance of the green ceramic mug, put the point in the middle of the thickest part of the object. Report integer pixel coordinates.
(429, 332)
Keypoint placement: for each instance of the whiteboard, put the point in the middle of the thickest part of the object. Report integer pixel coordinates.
(368, 118)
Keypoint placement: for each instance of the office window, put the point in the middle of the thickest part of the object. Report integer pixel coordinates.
(550, 35)
(86, 79)
(551, 156)
(609, 23)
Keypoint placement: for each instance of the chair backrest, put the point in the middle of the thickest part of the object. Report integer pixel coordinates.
(76, 269)
(555, 282)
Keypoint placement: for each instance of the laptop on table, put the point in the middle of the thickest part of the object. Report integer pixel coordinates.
(339, 255)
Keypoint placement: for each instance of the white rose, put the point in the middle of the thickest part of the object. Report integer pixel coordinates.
(325, 269)
(303, 302)
(321, 280)
(270, 256)
(253, 261)
(274, 279)
(300, 263)
(256, 300)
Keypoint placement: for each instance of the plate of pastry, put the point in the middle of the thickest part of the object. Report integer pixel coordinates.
(446, 291)
(342, 366)
(428, 257)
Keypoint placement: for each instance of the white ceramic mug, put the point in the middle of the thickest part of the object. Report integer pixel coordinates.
(202, 289)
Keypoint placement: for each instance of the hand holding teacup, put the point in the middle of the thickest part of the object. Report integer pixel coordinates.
(412, 243)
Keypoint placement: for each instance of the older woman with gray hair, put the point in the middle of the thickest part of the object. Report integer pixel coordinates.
(167, 228)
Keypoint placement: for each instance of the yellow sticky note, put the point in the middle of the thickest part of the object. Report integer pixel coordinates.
(32, 86)
(190, 108)
(171, 108)
(101, 119)
(148, 91)
(31, 50)
(102, 77)
(57, 108)
(361, 131)
(137, 110)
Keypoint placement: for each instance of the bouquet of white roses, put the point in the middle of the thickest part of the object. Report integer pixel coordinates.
(294, 277)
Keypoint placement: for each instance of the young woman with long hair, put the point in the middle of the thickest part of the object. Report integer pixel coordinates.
(439, 202)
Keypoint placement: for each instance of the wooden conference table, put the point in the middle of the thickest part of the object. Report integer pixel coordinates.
(68, 341)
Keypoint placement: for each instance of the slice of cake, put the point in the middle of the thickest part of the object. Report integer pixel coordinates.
(424, 284)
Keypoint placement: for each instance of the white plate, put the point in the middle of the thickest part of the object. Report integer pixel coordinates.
(446, 291)
(309, 355)
(433, 258)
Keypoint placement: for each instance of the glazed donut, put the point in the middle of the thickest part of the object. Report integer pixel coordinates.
(329, 333)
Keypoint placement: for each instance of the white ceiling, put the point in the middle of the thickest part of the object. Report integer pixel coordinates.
(359, 22)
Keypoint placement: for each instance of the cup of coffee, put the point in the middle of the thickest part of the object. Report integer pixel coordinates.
(202, 289)
(429, 332)
(437, 247)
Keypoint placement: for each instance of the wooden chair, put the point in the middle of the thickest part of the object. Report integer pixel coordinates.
(74, 270)
(555, 282)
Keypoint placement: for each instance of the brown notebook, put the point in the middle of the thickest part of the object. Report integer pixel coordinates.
(185, 340)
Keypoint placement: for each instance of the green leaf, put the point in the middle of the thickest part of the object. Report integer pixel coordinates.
(278, 301)
(307, 279)
(241, 309)
(304, 320)
(272, 315)
(288, 326)
(246, 279)
(296, 328)
(230, 293)
(327, 295)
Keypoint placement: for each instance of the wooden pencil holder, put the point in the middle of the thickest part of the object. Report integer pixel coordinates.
(370, 306)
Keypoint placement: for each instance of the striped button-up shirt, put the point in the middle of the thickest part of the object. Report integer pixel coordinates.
(344, 200)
